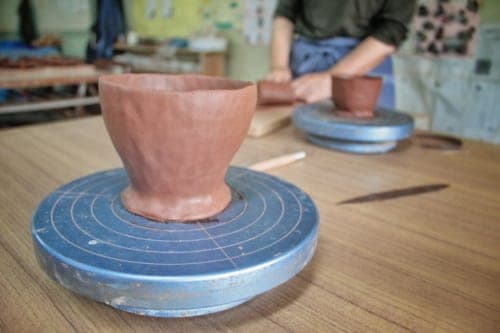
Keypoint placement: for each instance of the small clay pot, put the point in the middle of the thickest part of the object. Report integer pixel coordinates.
(176, 136)
(356, 96)
(275, 93)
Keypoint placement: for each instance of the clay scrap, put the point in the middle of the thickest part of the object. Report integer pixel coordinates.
(275, 93)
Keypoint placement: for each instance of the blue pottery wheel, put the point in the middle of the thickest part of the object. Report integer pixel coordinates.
(86, 241)
(353, 147)
(318, 119)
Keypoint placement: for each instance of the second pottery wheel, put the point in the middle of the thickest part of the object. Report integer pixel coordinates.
(86, 241)
(352, 146)
(320, 123)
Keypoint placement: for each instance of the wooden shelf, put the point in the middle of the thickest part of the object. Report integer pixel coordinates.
(80, 75)
(60, 103)
(211, 63)
(152, 49)
(48, 76)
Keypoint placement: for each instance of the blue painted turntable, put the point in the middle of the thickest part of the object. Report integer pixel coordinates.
(86, 241)
(378, 134)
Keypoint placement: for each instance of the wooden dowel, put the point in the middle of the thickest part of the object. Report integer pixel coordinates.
(278, 161)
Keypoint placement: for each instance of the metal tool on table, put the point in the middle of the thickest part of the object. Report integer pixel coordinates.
(86, 241)
(438, 141)
(378, 134)
(397, 193)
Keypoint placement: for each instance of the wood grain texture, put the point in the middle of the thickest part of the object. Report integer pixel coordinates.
(423, 263)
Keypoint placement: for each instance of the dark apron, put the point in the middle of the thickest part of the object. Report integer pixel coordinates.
(308, 56)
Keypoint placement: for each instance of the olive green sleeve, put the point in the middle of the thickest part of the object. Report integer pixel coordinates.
(392, 22)
(287, 9)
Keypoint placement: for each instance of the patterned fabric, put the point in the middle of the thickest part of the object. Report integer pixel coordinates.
(447, 28)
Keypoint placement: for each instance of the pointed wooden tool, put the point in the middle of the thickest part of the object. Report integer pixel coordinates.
(393, 194)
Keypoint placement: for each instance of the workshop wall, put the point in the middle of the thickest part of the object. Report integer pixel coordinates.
(490, 11)
(186, 18)
(151, 19)
(460, 95)
(69, 19)
(457, 93)
(8, 18)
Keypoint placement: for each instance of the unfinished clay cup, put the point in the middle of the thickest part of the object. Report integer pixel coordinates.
(275, 93)
(176, 136)
(356, 96)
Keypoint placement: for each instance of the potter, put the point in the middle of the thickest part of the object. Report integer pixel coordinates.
(313, 40)
(176, 136)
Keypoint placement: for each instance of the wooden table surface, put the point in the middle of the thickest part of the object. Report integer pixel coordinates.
(421, 263)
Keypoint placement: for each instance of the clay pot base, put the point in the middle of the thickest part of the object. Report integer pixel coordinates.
(84, 238)
(354, 114)
(177, 209)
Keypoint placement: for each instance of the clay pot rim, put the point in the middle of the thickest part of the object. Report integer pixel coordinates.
(229, 85)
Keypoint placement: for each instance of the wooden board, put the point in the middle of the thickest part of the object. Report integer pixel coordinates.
(425, 263)
(268, 119)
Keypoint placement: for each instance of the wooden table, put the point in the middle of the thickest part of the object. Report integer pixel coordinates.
(420, 263)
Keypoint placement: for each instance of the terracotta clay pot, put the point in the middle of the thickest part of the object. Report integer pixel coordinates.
(356, 96)
(176, 136)
(275, 93)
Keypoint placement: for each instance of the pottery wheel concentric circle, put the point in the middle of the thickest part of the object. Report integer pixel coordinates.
(356, 135)
(85, 240)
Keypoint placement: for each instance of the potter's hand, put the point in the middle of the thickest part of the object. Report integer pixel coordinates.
(313, 87)
(280, 75)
